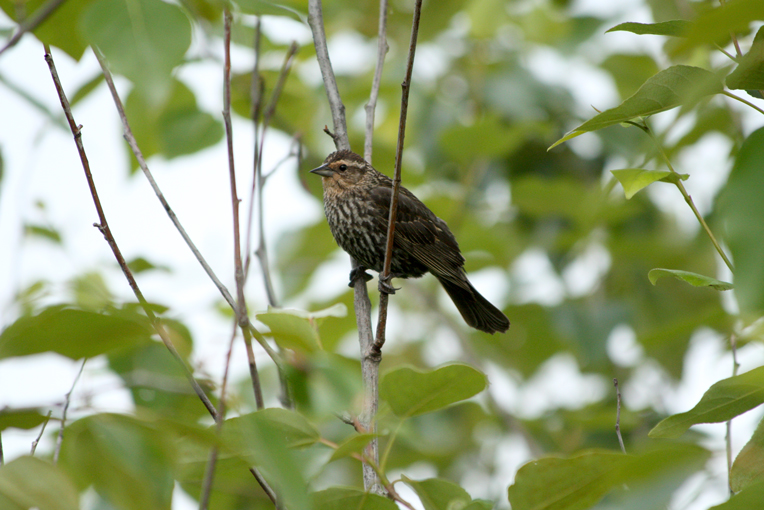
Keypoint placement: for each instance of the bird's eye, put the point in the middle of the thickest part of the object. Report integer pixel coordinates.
(343, 167)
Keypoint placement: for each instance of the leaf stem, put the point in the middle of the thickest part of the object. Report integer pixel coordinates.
(737, 98)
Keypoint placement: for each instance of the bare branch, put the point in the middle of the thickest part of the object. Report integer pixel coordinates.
(103, 226)
(371, 106)
(316, 22)
(39, 436)
(60, 439)
(34, 21)
(618, 414)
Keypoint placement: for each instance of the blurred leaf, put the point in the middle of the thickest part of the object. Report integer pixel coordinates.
(128, 461)
(32, 482)
(748, 498)
(748, 468)
(293, 430)
(715, 25)
(672, 87)
(411, 391)
(72, 333)
(261, 7)
(676, 28)
(43, 232)
(694, 279)
(629, 71)
(296, 329)
(85, 90)
(143, 40)
(354, 444)
(749, 73)
(635, 179)
(345, 498)
(742, 212)
(21, 418)
(140, 264)
(437, 494)
(488, 137)
(90, 292)
(723, 401)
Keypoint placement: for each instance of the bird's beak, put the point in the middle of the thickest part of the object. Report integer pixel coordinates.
(323, 171)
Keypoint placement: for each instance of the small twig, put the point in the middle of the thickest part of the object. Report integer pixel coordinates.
(60, 439)
(371, 106)
(618, 414)
(728, 438)
(748, 103)
(241, 304)
(39, 436)
(729, 55)
(385, 276)
(256, 97)
(34, 21)
(103, 226)
(687, 198)
(316, 22)
(2, 455)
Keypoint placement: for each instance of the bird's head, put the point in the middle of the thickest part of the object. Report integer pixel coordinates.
(343, 169)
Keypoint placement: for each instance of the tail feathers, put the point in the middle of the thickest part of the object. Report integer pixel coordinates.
(476, 310)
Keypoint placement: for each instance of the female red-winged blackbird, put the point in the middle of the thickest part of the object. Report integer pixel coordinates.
(357, 204)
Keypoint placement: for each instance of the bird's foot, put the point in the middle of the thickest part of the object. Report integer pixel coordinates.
(357, 273)
(384, 285)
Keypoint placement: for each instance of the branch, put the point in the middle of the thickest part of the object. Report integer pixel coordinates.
(39, 436)
(103, 226)
(371, 106)
(60, 439)
(618, 414)
(376, 349)
(29, 24)
(241, 305)
(316, 22)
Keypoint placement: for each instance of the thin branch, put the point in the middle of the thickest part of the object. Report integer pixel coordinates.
(103, 226)
(385, 276)
(728, 438)
(241, 304)
(256, 98)
(687, 198)
(618, 414)
(34, 21)
(39, 436)
(371, 106)
(2, 455)
(748, 103)
(316, 22)
(60, 439)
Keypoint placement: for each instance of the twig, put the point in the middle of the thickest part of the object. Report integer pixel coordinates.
(371, 106)
(736, 98)
(60, 439)
(34, 21)
(385, 276)
(2, 455)
(316, 22)
(241, 304)
(256, 98)
(39, 436)
(128, 134)
(728, 438)
(103, 226)
(687, 198)
(618, 414)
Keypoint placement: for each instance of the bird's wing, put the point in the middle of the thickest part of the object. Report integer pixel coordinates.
(422, 234)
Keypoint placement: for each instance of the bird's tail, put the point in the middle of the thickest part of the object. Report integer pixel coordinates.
(476, 310)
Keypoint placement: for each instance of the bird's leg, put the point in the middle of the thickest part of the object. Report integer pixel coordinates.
(385, 286)
(358, 272)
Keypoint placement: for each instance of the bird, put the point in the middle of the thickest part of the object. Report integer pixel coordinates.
(357, 204)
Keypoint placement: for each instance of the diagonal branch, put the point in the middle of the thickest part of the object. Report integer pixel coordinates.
(103, 226)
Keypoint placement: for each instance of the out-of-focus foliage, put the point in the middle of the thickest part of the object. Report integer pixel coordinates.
(568, 241)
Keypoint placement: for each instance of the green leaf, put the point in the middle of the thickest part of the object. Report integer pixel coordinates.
(629, 71)
(21, 418)
(411, 392)
(723, 401)
(749, 73)
(437, 494)
(747, 499)
(297, 329)
(715, 25)
(354, 444)
(43, 232)
(140, 264)
(694, 279)
(672, 87)
(73, 333)
(128, 461)
(741, 210)
(748, 468)
(488, 137)
(142, 40)
(347, 498)
(293, 429)
(675, 27)
(31, 482)
(635, 179)
(261, 7)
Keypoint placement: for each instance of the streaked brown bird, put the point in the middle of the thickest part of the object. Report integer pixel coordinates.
(357, 205)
